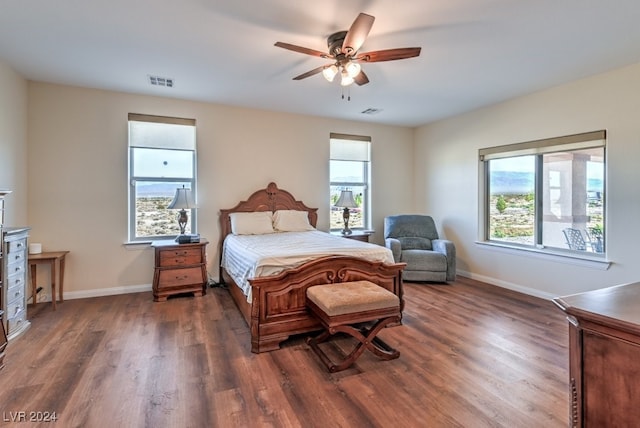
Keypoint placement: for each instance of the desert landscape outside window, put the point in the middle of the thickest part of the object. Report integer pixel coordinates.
(547, 194)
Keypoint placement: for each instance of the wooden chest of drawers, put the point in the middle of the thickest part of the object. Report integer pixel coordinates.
(179, 268)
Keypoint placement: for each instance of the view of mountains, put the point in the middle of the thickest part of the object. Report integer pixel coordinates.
(517, 183)
(502, 182)
(157, 189)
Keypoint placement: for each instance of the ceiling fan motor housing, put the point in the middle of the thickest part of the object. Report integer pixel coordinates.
(334, 42)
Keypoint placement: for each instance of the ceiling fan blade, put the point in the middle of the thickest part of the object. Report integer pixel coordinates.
(361, 79)
(301, 49)
(310, 73)
(389, 54)
(357, 34)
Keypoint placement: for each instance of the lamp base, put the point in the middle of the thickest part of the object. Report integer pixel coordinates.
(345, 217)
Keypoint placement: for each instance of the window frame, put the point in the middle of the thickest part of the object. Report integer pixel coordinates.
(538, 148)
(132, 180)
(366, 174)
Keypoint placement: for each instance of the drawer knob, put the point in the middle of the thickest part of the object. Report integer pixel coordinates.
(19, 244)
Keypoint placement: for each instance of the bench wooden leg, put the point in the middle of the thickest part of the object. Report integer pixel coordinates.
(366, 338)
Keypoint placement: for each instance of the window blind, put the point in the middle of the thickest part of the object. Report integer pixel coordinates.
(152, 132)
(349, 148)
(585, 140)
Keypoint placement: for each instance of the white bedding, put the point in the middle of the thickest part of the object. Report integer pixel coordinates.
(252, 256)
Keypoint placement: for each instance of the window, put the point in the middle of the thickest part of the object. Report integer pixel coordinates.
(546, 193)
(350, 169)
(162, 158)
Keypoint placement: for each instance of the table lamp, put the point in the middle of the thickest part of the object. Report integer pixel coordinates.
(183, 200)
(346, 201)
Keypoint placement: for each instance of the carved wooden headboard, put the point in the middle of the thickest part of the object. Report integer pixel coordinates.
(269, 199)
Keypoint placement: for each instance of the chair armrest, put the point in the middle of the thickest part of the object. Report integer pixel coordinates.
(447, 248)
(395, 247)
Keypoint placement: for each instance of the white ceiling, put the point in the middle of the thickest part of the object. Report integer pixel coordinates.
(474, 52)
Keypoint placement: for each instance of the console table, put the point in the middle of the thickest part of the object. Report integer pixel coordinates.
(55, 259)
(604, 344)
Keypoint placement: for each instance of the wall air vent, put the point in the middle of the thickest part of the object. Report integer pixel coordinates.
(372, 111)
(161, 81)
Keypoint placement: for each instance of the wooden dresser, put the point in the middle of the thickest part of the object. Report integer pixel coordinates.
(14, 280)
(179, 268)
(604, 356)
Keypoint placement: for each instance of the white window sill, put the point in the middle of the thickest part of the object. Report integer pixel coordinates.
(136, 245)
(590, 260)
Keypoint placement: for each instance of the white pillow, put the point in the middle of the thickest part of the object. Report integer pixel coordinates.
(255, 223)
(291, 221)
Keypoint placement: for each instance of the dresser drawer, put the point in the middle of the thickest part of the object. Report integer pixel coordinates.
(15, 292)
(179, 277)
(180, 257)
(15, 307)
(16, 246)
(16, 276)
(15, 322)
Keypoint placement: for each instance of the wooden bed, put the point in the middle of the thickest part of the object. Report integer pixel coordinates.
(278, 304)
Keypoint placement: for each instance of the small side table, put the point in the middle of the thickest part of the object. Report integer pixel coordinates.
(358, 235)
(55, 259)
(179, 268)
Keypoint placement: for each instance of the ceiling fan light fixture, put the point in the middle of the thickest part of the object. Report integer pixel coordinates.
(346, 79)
(353, 69)
(330, 72)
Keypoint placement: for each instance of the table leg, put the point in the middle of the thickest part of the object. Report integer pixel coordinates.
(61, 282)
(53, 283)
(34, 290)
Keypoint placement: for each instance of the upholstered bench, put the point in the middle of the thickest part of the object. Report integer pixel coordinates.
(342, 307)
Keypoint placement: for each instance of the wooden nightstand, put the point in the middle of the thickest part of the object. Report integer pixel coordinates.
(179, 268)
(358, 235)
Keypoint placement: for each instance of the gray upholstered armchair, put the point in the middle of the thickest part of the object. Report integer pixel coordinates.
(414, 240)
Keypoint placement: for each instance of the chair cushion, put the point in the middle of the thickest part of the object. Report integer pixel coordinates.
(424, 260)
(351, 297)
(415, 243)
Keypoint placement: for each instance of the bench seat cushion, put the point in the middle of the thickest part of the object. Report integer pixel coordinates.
(351, 297)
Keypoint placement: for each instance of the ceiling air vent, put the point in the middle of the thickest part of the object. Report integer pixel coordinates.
(372, 111)
(161, 81)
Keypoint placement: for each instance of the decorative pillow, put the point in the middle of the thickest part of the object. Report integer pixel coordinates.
(291, 221)
(256, 223)
(415, 243)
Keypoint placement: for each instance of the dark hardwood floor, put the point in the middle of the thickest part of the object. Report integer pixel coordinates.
(472, 355)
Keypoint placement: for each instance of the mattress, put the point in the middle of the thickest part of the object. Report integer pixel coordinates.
(252, 256)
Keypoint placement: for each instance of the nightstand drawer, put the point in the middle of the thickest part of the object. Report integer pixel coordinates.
(180, 257)
(179, 277)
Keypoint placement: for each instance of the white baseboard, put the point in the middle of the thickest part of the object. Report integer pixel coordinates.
(112, 291)
(508, 285)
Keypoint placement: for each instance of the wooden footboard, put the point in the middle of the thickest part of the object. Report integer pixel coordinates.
(278, 306)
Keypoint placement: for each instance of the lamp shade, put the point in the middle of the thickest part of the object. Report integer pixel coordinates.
(183, 200)
(346, 200)
(330, 72)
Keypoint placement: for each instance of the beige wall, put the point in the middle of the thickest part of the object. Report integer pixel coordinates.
(78, 174)
(447, 179)
(13, 145)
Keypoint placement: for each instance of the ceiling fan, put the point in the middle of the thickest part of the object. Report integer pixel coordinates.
(343, 50)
